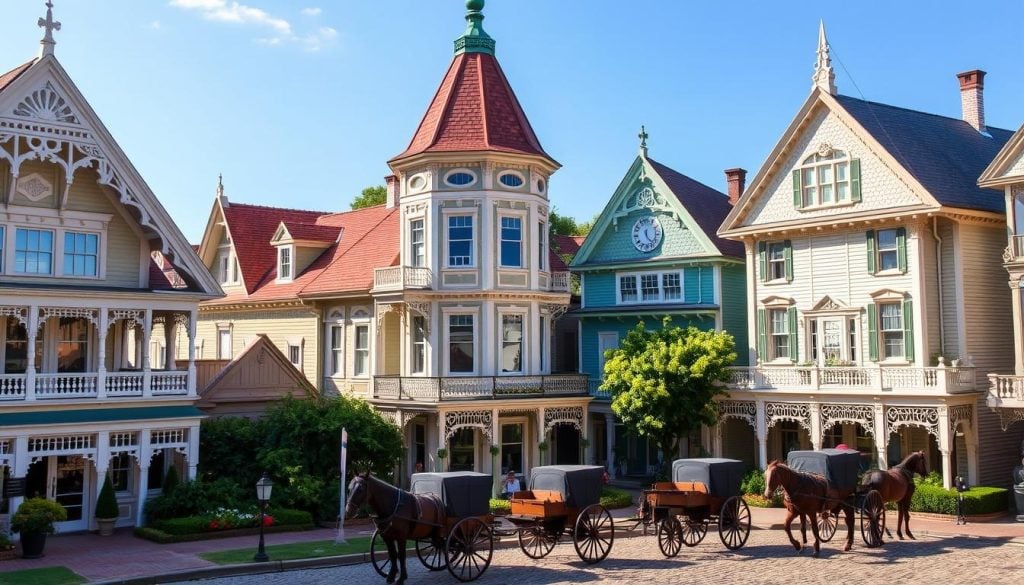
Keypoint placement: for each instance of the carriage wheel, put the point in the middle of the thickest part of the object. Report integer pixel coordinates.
(872, 519)
(670, 536)
(469, 548)
(827, 523)
(536, 542)
(734, 523)
(431, 554)
(594, 534)
(694, 531)
(379, 555)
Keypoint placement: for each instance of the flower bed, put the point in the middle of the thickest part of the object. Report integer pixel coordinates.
(222, 523)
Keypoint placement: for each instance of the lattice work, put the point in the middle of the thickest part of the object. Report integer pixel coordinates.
(118, 440)
(554, 310)
(962, 414)
(741, 409)
(799, 413)
(408, 416)
(91, 315)
(19, 313)
(1008, 416)
(569, 415)
(382, 311)
(390, 416)
(167, 437)
(862, 414)
(61, 443)
(926, 417)
(182, 319)
(459, 419)
(133, 317)
(47, 105)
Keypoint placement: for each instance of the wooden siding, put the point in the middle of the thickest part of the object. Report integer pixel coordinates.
(304, 257)
(592, 327)
(734, 309)
(952, 298)
(600, 289)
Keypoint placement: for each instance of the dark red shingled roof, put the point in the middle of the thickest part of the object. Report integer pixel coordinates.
(7, 78)
(312, 232)
(474, 109)
(563, 246)
(252, 227)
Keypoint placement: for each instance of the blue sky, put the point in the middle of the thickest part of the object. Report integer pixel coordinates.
(301, 103)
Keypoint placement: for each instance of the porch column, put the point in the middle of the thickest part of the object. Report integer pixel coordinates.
(101, 354)
(762, 435)
(102, 464)
(971, 438)
(20, 467)
(30, 369)
(816, 433)
(1018, 328)
(881, 437)
(192, 318)
(946, 448)
(715, 433)
(145, 457)
(442, 441)
(193, 452)
(541, 435)
(609, 437)
(495, 463)
(586, 434)
(170, 333)
(147, 374)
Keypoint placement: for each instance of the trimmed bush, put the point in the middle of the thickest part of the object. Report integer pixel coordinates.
(171, 481)
(196, 498)
(291, 517)
(190, 525)
(231, 519)
(977, 500)
(500, 507)
(753, 483)
(106, 504)
(612, 498)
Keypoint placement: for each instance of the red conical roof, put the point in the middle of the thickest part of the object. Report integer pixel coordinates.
(474, 109)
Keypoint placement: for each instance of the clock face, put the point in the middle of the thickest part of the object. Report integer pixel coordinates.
(647, 233)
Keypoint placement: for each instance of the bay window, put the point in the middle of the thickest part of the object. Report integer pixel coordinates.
(461, 344)
(417, 243)
(362, 351)
(511, 242)
(460, 241)
(511, 343)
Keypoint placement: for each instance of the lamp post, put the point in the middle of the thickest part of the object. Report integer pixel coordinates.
(263, 489)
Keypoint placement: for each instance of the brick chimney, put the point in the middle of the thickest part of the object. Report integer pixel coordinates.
(392, 186)
(737, 180)
(972, 101)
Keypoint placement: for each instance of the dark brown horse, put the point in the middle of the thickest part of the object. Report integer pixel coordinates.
(897, 485)
(399, 516)
(806, 495)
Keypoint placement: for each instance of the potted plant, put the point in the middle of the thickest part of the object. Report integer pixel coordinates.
(106, 508)
(34, 520)
(441, 455)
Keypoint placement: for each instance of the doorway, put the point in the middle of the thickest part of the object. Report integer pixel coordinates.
(567, 445)
(64, 479)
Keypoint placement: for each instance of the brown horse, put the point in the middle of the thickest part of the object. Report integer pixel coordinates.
(399, 516)
(897, 485)
(806, 495)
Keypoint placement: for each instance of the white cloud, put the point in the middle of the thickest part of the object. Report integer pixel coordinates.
(311, 11)
(155, 25)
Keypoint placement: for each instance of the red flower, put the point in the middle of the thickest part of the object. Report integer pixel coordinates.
(268, 520)
(214, 525)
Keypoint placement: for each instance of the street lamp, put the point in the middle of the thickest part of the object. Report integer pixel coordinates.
(263, 488)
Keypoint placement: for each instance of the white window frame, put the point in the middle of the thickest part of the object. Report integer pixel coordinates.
(64, 252)
(637, 279)
(54, 238)
(421, 245)
(418, 346)
(470, 172)
(522, 240)
(281, 277)
(894, 250)
(299, 346)
(472, 241)
(227, 266)
(524, 334)
(883, 352)
(446, 358)
(221, 331)
(772, 349)
(58, 224)
(361, 351)
(523, 183)
(773, 263)
(335, 361)
(814, 165)
(542, 247)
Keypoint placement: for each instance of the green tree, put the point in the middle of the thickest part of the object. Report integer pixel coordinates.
(663, 382)
(561, 225)
(376, 195)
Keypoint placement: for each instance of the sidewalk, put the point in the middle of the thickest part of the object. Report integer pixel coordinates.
(124, 557)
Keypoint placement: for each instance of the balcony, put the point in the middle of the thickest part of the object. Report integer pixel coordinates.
(560, 282)
(1005, 391)
(401, 278)
(1015, 250)
(453, 388)
(93, 385)
(937, 380)
(594, 385)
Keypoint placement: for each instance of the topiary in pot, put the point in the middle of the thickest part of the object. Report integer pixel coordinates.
(35, 519)
(106, 508)
(171, 481)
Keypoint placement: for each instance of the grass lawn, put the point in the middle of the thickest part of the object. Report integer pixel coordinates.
(287, 552)
(46, 576)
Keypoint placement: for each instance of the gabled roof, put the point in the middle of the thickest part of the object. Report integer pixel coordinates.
(946, 155)
(311, 232)
(1002, 163)
(369, 242)
(7, 78)
(223, 388)
(563, 246)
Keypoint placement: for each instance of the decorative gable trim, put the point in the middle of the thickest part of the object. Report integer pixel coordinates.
(828, 305)
(777, 301)
(995, 174)
(888, 294)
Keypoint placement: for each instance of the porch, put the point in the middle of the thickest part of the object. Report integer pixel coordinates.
(441, 389)
(1006, 397)
(941, 379)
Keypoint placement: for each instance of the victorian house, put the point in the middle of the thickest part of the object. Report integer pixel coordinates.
(439, 306)
(653, 253)
(876, 308)
(90, 263)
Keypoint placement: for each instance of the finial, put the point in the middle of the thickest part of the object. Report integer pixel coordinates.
(823, 76)
(49, 25)
(474, 40)
(220, 184)
(643, 141)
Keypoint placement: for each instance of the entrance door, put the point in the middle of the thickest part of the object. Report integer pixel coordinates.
(567, 445)
(63, 479)
(830, 340)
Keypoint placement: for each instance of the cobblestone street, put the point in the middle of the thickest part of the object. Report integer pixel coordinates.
(765, 559)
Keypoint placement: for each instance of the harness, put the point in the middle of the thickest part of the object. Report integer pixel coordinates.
(385, 523)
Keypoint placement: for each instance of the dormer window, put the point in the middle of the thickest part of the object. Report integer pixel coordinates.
(827, 177)
(227, 267)
(285, 264)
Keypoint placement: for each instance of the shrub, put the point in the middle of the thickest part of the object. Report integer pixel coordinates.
(5, 543)
(289, 517)
(171, 481)
(189, 525)
(500, 507)
(195, 498)
(230, 518)
(759, 501)
(753, 483)
(38, 515)
(977, 500)
(106, 504)
(612, 498)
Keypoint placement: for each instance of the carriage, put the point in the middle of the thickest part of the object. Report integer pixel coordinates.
(563, 500)
(702, 491)
(840, 468)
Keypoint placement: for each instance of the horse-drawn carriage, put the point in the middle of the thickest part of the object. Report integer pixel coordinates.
(563, 499)
(702, 491)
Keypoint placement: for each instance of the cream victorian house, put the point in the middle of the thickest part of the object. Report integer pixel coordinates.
(90, 264)
(875, 307)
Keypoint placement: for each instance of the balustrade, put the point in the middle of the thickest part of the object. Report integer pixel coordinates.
(402, 277)
(1005, 388)
(942, 379)
(432, 389)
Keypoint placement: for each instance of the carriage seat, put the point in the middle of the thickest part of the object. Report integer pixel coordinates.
(697, 487)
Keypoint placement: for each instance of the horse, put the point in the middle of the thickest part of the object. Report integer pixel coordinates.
(398, 515)
(897, 485)
(806, 495)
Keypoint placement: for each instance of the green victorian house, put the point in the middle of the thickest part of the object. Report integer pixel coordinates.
(654, 253)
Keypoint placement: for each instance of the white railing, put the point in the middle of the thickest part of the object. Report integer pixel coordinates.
(401, 277)
(12, 386)
(124, 384)
(426, 389)
(65, 385)
(93, 385)
(561, 281)
(1005, 388)
(1017, 246)
(942, 379)
(169, 383)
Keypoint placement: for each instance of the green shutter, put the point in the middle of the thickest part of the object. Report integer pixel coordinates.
(762, 260)
(787, 252)
(872, 254)
(793, 348)
(798, 190)
(873, 332)
(762, 336)
(901, 249)
(908, 330)
(855, 180)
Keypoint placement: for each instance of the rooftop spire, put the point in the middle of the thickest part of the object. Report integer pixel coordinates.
(49, 25)
(474, 40)
(643, 136)
(823, 76)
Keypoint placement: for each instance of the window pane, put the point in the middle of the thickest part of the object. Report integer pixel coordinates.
(511, 343)
(511, 241)
(649, 287)
(460, 342)
(627, 289)
(460, 240)
(671, 286)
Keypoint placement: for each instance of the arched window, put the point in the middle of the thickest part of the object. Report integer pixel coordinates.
(825, 179)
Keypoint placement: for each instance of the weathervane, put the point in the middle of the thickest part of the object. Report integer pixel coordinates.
(49, 25)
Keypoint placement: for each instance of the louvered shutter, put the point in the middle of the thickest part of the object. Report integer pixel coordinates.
(787, 252)
(762, 260)
(873, 332)
(872, 253)
(798, 190)
(908, 330)
(762, 336)
(901, 249)
(793, 339)
(855, 180)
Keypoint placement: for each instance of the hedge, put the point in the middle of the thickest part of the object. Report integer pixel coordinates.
(977, 500)
(194, 525)
(612, 498)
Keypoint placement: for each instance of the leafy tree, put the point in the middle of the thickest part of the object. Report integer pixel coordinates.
(376, 195)
(562, 225)
(583, 228)
(663, 382)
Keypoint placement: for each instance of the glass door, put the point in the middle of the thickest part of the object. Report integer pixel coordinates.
(831, 340)
(68, 475)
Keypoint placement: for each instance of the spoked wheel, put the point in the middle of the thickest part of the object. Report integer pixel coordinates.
(594, 534)
(431, 554)
(734, 523)
(694, 531)
(872, 519)
(670, 536)
(469, 548)
(379, 555)
(827, 522)
(536, 542)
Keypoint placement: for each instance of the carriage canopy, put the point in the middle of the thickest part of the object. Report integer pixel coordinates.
(464, 493)
(580, 485)
(839, 466)
(722, 476)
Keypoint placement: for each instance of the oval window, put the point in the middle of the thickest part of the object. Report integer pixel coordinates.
(417, 183)
(511, 180)
(459, 178)
(540, 185)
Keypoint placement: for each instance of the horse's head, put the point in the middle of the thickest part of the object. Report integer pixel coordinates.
(919, 463)
(771, 480)
(358, 494)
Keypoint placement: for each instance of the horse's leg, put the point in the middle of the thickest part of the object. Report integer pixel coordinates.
(393, 557)
(817, 539)
(790, 514)
(904, 506)
(849, 527)
(803, 528)
(401, 559)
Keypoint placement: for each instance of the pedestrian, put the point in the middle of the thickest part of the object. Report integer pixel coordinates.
(510, 485)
